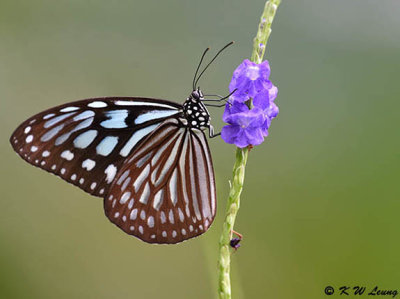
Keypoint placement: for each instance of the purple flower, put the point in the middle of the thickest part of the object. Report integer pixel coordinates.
(270, 110)
(249, 79)
(245, 126)
(250, 126)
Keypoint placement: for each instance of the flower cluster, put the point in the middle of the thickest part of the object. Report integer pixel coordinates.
(249, 126)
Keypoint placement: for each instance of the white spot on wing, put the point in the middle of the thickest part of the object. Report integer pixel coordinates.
(85, 139)
(47, 116)
(69, 109)
(133, 214)
(130, 204)
(84, 115)
(145, 195)
(93, 185)
(162, 217)
(155, 114)
(27, 129)
(67, 155)
(57, 119)
(171, 217)
(181, 216)
(88, 164)
(143, 160)
(124, 197)
(34, 148)
(107, 145)
(123, 177)
(45, 154)
(125, 184)
(150, 221)
(51, 133)
(116, 119)
(135, 138)
(97, 104)
(80, 126)
(158, 199)
(62, 139)
(173, 187)
(140, 179)
(29, 139)
(110, 171)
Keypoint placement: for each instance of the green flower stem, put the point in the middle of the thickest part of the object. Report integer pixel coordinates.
(232, 209)
(264, 30)
(224, 285)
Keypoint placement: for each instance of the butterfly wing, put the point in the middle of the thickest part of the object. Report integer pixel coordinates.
(86, 142)
(165, 191)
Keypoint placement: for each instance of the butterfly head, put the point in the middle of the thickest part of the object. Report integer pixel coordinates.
(197, 94)
(194, 109)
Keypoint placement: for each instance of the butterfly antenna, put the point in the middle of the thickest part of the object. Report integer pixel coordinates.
(216, 55)
(198, 67)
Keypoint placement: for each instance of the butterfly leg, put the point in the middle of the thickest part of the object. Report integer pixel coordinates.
(211, 132)
(221, 98)
(211, 105)
(214, 95)
(214, 100)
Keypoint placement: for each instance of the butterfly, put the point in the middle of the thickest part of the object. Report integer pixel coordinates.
(148, 158)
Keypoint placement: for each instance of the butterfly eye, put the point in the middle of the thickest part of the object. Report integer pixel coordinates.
(196, 94)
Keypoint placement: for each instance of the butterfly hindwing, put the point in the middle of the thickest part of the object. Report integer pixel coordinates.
(165, 191)
(86, 142)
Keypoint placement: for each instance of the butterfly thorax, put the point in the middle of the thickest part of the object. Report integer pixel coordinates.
(195, 112)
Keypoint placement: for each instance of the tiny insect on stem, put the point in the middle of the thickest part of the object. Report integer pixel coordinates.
(234, 242)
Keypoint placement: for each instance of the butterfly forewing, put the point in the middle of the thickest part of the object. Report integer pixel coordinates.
(86, 142)
(165, 191)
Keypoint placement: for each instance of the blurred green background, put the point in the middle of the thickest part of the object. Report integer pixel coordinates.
(321, 200)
